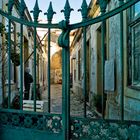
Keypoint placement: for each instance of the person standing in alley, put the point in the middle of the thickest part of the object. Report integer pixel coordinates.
(28, 79)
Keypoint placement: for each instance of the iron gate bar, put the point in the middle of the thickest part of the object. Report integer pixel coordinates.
(10, 6)
(88, 22)
(49, 72)
(21, 65)
(121, 62)
(84, 12)
(103, 5)
(9, 62)
(35, 12)
(35, 33)
(103, 27)
(49, 14)
(22, 9)
(85, 69)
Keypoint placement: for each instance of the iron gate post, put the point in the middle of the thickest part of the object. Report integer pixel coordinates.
(63, 41)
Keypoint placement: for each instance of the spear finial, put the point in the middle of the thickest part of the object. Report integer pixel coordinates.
(84, 10)
(22, 8)
(36, 11)
(103, 5)
(67, 10)
(50, 13)
(10, 5)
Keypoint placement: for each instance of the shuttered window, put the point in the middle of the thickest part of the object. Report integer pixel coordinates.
(134, 45)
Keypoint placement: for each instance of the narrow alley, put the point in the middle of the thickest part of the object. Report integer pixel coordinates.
(76, 105)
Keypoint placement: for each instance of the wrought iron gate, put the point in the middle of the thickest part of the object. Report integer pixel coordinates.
(23, 125)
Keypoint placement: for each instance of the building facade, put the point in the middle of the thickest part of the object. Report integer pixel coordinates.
(28, 51)
(112, 89)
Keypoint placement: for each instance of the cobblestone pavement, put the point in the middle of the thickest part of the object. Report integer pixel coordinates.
(76, 106)
(56, 98)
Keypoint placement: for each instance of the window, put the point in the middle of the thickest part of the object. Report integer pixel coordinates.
(134, 46)
(136, 54)
(136, 10)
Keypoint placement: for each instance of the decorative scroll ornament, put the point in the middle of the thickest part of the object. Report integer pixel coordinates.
(50, 13)
(96, 130)
(36, 11)
(49, 123)
(63, 39)
(22, 8)
(10, 5)
(84, 10)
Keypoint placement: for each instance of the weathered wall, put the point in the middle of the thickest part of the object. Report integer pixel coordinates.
(56, 68)
(77, 83)
(95, 60)
(132, 98)
(114, 55)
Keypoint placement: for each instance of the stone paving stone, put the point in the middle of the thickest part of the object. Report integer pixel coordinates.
(76, 106)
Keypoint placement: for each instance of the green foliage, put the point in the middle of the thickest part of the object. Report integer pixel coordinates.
(15, 57)
(2, 28)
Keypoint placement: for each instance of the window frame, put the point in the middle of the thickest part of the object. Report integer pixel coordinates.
(133, 21)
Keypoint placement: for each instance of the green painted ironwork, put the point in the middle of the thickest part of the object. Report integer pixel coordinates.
(49, 14)
(10, 6)
(67, 10)
(122, 64)
(35, 12)
(64, 126)
(88, 22)
(63, 41)
(22, 9)
(84, 12)
(103, 5)
(81, 129)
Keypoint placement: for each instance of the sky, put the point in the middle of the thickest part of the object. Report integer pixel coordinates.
(58, 5)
